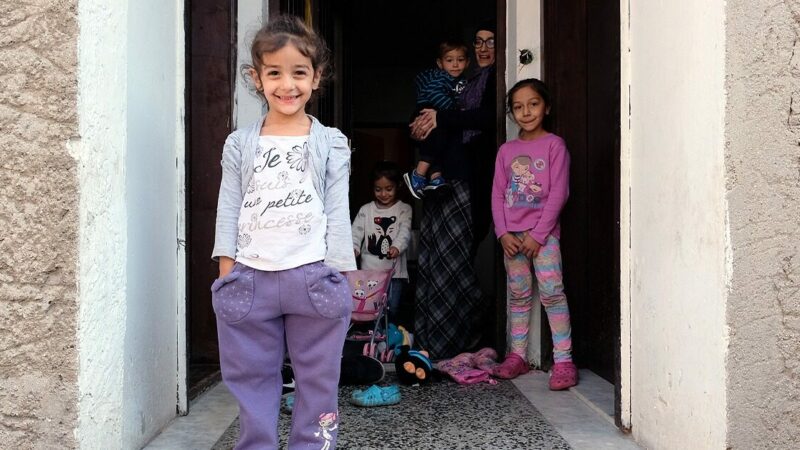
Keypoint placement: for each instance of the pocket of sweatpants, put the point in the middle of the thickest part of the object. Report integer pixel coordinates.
(232, 295)
(328, 290)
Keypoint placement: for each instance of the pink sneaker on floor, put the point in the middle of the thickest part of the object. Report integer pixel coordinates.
(511, 368)
(563, 375)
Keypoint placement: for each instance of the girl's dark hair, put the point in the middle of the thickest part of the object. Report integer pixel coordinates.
(287, 29)
(540, 88)
(387, 169)
(452, 44)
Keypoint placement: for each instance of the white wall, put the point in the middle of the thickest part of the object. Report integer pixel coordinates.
(102, 56)
(678, 223)
(131, 106)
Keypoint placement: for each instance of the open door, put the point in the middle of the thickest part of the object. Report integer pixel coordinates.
(211, 69)
(378, 47)
(581, 56)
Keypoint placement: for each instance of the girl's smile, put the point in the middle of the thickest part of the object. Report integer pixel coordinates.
(385, 192)
(287, 79)
(529, 110)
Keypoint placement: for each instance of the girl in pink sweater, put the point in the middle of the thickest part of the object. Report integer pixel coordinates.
(531, 185)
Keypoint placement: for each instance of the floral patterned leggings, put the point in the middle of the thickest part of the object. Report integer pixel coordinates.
(547, 268)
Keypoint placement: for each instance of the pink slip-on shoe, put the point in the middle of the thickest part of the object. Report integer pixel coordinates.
(511, 368)
(563, 375)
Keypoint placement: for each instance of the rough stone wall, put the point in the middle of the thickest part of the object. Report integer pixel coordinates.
(763, 169)
(38, 224)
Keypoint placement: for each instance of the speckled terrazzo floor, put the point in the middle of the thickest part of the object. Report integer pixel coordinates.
(442, 415)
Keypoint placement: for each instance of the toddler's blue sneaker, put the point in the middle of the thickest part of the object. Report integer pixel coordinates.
(416, 184)
(437, 184)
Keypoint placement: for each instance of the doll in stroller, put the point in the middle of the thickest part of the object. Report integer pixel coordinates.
(369, 322)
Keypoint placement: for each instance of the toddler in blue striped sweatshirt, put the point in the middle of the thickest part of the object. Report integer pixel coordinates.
(438, 89)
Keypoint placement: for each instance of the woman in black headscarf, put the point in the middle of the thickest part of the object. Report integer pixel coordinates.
(448, 298)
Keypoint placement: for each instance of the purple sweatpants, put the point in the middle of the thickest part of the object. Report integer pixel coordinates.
(307, 308)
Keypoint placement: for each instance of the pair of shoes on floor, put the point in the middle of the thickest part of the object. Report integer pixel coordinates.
(419, 186)
(512, 367)
(563, 375)
(376, 396)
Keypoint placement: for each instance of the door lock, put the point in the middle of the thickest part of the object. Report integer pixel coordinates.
(525, 57)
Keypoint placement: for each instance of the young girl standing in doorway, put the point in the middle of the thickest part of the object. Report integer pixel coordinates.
(531, 185)
(382, 231)
(282, 238)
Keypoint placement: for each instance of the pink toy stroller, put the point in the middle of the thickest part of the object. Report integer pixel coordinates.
(370, 291)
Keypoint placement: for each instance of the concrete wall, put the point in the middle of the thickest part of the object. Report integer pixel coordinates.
(131, 99)
(763, 187)
(678, 233)
(38, 223)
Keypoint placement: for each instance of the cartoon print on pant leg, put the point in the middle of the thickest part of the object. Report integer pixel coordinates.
(327, 423)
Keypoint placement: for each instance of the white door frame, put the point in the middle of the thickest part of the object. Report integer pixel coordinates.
(625, 219)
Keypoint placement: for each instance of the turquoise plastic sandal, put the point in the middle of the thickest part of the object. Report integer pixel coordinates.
(288, 403)
(376, 396)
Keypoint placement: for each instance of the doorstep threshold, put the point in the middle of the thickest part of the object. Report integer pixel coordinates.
(583, 415)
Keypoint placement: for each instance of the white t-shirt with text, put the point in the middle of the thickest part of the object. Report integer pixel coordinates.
(282, 222)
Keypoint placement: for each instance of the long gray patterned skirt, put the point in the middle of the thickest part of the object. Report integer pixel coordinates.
(448, 296)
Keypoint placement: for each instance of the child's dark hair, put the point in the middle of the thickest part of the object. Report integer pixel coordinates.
(287, 29)
(388, 170)
(450, 45)
(540, 88)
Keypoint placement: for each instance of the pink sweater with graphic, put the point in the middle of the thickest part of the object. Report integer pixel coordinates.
(531, 185)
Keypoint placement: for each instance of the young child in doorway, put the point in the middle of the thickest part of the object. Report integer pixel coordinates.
(437, 89)
(531, 185)
(382, 231)
(281, 241)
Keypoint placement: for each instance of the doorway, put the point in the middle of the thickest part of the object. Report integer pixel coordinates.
(378, 47)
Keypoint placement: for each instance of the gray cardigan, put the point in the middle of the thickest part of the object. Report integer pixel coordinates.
(330, 165)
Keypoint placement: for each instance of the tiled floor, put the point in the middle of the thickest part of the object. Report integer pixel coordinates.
(582, 416)
(209, 417)
(583, 425)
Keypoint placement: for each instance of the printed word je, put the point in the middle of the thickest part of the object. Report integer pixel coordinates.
(269, 160)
